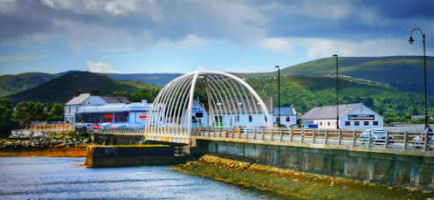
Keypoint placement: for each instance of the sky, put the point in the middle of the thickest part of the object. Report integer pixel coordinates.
(179, 36)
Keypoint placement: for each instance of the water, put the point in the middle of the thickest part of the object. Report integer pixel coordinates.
(58, 178)
(414, 128)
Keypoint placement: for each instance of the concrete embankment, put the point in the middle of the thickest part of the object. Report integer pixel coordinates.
(295, 184)
(133, 155)
(389, 167)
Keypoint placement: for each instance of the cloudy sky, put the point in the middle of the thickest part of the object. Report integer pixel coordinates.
(149, 36)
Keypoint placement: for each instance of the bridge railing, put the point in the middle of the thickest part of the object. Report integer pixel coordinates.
(395, 140)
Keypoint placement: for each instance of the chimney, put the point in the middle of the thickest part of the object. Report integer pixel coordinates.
(94, 92)
(77, 93)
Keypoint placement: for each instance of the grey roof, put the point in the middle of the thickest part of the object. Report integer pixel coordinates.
(227, 106)
(285, 110)
(115, 99)
(78, 99)
(329, 112)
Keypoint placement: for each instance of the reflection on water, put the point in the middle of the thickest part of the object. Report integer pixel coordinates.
(41, 177)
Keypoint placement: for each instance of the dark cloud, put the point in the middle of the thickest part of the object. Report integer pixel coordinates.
(135, 24)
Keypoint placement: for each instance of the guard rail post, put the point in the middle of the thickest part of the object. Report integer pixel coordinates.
(263, 134)
(313, 136)
(326, 136)
(291, 134)
(281, 134)
(272, 134)
(302, 135)
(369, 139)
(425, 144)
(339, 137)
(386, 140)
(405, 139)
(354, 138)
(255, 132)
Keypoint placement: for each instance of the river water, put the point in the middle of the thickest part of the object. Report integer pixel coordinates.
(58, 178)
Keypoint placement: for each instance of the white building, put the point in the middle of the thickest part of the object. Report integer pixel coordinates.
(288, 116)
(239, 116)
(82, 101)
(351, 116)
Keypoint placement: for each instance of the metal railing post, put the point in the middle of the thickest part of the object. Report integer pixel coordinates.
(313, 136)
(326, 136)
(247, 133)
(405, 139)
(354, 138)
(272, 134)
(386, 140)
(239, 133)
(370, 139)
(263, 134)
(281, 134)
(302, 135)
(233, 132)
(255, 132)
(425, 144)
(291, 133)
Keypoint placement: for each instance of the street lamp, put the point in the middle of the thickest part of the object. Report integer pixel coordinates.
(337, 92)
(278, 94)
(411, 40)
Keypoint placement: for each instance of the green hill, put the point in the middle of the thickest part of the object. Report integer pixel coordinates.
(402, 72)
(62, 88)
(11, 84)
(307, 92)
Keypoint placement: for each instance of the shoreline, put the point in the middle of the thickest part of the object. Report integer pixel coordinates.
(294, 184)
(56, 151)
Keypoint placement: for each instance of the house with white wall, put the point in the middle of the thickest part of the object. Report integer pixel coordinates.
(351, 117)
(288, 116)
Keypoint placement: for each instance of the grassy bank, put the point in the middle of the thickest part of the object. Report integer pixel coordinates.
(63, 151)
(294, 184)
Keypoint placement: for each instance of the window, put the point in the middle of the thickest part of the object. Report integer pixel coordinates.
(250, 118)
(218, 118)
(366, 123)
(277, 119)
(375, 123)
(69, 108)
(356, 123)
(237, 118)
(347, 123)
(288, 119)
(328, 123)
(320, 123)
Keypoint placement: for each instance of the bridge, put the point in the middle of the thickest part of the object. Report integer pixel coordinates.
(399, 158)
(228, 99)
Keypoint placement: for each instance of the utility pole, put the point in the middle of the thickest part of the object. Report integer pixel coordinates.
(337, 91)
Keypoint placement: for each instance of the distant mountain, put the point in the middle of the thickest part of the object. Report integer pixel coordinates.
(402, 72)
(11, 84)
(153, 79)
(62, 88)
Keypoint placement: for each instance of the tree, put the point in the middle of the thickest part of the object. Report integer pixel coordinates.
(6, 110)
(55, 112)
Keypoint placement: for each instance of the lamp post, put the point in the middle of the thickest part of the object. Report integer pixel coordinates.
(411, 40)
(278, 94)
(337, 92)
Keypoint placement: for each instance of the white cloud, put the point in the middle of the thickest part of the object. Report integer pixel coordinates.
(278, 45)
(324, 47)
(100, 67)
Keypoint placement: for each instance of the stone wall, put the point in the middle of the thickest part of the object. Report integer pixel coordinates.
(367, 166)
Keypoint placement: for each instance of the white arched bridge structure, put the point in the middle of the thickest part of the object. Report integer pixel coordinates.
(201, 100)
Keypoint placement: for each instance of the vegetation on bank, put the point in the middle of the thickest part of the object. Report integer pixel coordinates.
(294, 184)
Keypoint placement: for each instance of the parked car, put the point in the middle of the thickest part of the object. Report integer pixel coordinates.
(378, 136)
(419, 140)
